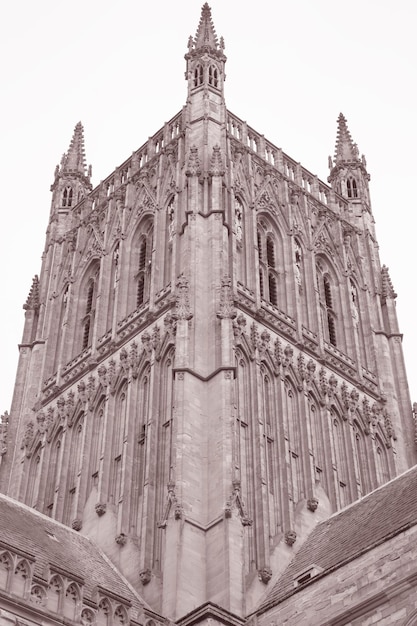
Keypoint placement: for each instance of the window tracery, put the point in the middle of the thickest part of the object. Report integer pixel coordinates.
(67, 197)
(352, 188)
(198, 75)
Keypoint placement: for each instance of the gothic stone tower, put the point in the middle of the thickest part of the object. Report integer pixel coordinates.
(211, 359)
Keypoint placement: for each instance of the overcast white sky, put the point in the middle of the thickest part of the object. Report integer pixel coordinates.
(119, 68)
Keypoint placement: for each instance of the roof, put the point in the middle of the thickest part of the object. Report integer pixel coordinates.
(50, 544)
(346, 535)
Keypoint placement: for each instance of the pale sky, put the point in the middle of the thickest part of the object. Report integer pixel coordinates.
(119, 68)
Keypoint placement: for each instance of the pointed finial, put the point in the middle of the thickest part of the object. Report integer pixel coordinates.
(206, 36)
(32, 301)
(345, 149)
(386, 284)
(74, 159)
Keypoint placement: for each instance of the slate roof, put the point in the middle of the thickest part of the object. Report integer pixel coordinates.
(51, 544)
(344, 536)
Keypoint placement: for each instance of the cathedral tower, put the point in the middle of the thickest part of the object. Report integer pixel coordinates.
(211, 359)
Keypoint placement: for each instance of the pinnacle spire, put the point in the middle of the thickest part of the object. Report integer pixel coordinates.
(345, 149)
(206, 36)
(386, 284)
(32, 301)
(74, 159)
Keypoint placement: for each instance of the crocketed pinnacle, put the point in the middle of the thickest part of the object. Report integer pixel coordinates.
(32, 301)
(386, 284)
(345, 149)
(74, 159)
(206, 37)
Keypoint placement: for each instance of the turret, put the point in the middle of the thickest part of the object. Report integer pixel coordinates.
(205, 58)
(71, 180)
(348, 174)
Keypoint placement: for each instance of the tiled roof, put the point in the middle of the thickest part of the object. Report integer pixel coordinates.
(344, 536)
(51, 544)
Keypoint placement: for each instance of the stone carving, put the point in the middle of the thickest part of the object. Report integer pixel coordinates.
(277, 352)
(171, 502)
(61, 408)
(145, 576)
(28, 435)
(102, 376)
(100, 508)
(290, 537)
(3, 433)
(288, 354)
(121, 539)
(312, 504)
(216, 164)
(332, 386)
(38, 595)
(76, 524)
(239, 326)
(193, 167)
(301, 366)
(263, 342)
(236, 500)
(226, 309)
(265, 574)
(170, 324)
(182, 304)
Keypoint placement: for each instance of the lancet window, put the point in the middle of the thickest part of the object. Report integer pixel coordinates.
(89, 297)
(213, 76)
(67, 197)
(317, 439)
(328, 302)
(352, 187)
(96, 437)
(293, 428)
(143, 267)
(198, 75)
(341, 461)
(55, 454)
(267, 254)
(114, 277)
(361, 455)
(382, 465)
(119, 425)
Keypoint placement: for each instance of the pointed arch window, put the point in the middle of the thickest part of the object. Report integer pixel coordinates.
(352, 187)
(213, 76)
(198, 75)
(89, 296)
(317, 442)
(268, 277)
(382, 465)
(74, 468)
(95, 446)
(70, 601)
(143, 271)
(114, 277)
(53, 472)
(361, 458)
(326, 291)
(339, 441)
(21, 578)
(6, 564)
(294, 444)
(67, 197)
(55, 591)
(119, 425)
